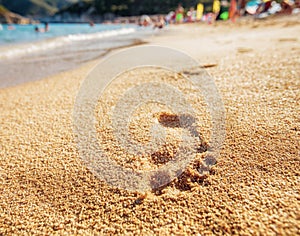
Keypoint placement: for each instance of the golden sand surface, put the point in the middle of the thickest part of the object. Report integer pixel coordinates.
(253, 189)
(146, 115)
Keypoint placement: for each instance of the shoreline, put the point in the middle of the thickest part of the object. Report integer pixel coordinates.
(82, 65)
(253, 188)
(50, 56)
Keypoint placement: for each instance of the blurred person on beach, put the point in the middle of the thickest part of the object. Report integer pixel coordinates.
(266, 8)
(11, 27)
(191, 15)
(46, 28)
(91, 23)
(160, 23)
(287, 6)
(210, 18)
(241, 7)
(233, 11)
(179, 14)
(145, 21)
(170, 18)
(224, 9)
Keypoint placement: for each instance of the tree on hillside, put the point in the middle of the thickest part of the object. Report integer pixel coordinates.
(139, 7)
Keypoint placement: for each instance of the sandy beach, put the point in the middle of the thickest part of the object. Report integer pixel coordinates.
(254, 189)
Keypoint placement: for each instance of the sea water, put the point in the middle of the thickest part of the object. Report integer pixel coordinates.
(26, 55)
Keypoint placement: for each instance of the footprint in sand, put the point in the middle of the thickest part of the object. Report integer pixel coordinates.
(244, 50)
(287, 40)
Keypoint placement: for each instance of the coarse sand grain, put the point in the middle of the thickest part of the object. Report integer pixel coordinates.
(253, 189)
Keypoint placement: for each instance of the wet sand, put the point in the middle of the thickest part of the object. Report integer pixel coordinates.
(33, 66)
(253, 189)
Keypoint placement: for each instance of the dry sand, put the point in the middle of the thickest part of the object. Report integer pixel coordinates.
(253, 189)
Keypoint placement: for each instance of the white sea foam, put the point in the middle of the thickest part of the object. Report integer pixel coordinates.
(27, 48)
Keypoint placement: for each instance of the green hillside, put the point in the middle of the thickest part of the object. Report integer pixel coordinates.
(9, 17)
(132, 7)
(3, 10)
(35, 7)
(118, 7)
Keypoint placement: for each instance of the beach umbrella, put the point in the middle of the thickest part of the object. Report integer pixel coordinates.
(200, 9)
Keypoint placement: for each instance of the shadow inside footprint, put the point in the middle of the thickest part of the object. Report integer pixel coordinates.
(169, 120)
(164, 155)
(184, 121)
(194, 174)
